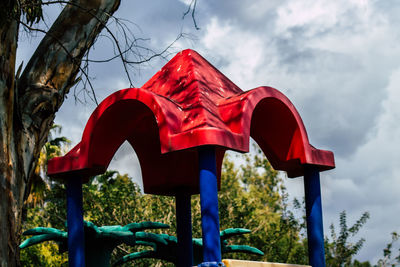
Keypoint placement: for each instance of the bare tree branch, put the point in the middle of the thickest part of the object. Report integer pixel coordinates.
(132, 47)
(82, 70)
(192, 7)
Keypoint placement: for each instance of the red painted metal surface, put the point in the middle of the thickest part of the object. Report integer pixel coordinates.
(188, 104)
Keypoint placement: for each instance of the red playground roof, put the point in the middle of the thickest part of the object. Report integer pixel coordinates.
(188, 104)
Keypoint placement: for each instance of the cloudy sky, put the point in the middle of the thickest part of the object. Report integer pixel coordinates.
(337, 61)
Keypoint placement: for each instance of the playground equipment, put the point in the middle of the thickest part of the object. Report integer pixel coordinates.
(239, 263)
(180, 124)
(101, 241)
(169, 251)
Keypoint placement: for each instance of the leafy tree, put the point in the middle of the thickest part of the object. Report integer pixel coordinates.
(34, 204)
(254, 197)
(341, 250)
(39, 182)
(388, 258)
(356, 263)
(45, 254)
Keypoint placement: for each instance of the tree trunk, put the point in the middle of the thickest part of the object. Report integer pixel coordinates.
(10, 203)
(28, 104)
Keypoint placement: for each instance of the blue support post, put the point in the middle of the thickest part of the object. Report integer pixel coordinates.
(209, 207)
(76, 238)
(184, 229)
(315, 231)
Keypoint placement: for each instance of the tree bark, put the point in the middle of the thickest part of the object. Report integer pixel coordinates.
(9, 193)
(28, 104)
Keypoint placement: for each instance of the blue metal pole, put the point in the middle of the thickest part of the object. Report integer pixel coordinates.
(315, 231)
(184, 230)
(209, 207)
(76, 238)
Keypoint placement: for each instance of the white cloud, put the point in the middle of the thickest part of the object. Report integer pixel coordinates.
(319, 16)
(125, 160)
(320, 72)
(236, 48)
(302, 13)
(339, 64)
(186, 2)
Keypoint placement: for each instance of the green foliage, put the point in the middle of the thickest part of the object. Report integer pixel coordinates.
(45, 254)
(388, 258)
(38, 202)
(356, 263)
(39, 182)
(341, 250)
(254, 197)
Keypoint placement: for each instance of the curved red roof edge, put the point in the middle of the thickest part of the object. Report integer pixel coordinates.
(188, 104)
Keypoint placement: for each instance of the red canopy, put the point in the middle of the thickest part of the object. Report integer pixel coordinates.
(188, 104)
